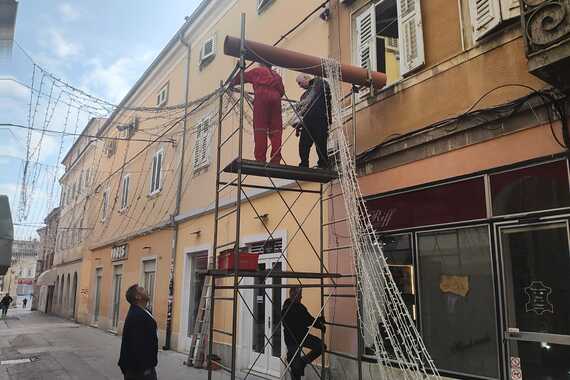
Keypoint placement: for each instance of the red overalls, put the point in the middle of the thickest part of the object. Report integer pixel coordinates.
(268, 89)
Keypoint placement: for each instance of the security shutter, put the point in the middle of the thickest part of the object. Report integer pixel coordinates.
(485, 16)
(201, 147)
(411, 35)
(510, 9)
(366, 42)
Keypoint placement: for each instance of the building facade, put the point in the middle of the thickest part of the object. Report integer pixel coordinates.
(45, 275)
(463, 162)
(19, 280)
(151, 202)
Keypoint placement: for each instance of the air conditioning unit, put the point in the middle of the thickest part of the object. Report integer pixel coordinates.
(546, 32)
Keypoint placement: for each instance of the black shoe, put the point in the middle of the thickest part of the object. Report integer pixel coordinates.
(303, 165)
(298, 367)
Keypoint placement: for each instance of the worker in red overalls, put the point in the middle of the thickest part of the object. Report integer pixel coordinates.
(268, 89)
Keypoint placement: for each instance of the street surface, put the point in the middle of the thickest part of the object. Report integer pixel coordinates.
(60, 349)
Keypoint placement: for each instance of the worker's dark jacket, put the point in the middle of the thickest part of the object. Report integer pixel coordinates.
(6, 300)
(296, 322)
(315, 104)
(139, 346)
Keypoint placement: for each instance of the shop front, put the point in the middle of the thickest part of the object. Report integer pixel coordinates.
(483, 263)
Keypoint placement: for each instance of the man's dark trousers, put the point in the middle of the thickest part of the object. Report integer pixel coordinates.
(149, 374)
(313, 133)
(312, 343)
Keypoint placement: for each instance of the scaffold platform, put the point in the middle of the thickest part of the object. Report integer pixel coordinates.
(263, 169)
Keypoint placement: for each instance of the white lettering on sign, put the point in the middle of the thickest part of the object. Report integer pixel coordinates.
(119, 252)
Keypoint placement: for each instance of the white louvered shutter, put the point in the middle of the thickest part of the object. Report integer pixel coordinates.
(201, 147)
(366, 43)
(411, 35)
(510, 9)
(485, 16)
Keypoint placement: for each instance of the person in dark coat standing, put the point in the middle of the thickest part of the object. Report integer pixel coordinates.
(315, 110)
(139, 345)
(5, 304)
(267, 119)
(296, 321)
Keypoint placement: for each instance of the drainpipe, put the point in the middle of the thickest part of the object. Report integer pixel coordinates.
(167, 342)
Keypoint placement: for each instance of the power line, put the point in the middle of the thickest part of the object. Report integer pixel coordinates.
(171, 141)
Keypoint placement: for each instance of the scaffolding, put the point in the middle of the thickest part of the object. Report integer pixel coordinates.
(241, 170)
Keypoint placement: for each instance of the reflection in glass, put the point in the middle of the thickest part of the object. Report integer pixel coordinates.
(457, 300)
(259, 315)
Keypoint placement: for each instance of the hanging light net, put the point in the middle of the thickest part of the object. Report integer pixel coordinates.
(386, 322)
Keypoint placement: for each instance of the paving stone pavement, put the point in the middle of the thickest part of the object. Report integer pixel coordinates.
(60, 349)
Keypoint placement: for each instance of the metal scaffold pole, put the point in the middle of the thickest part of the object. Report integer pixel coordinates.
(238, 199)
(215, 243)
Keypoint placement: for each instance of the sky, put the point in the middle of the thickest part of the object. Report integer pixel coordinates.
(101, 47)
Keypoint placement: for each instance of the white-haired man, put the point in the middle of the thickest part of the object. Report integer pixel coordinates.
(314, 110)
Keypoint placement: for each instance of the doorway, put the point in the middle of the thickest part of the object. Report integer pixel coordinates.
(117, 280)
(536, 267)
(98, 284)
(266, 334)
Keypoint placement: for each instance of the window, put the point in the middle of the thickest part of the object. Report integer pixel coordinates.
(80, 184)
(125, 192)
(104, 205)
(201, 157)
(156, 180)
(208, 50)
(486, 15)
(389, 38)
(162, 97)
(262, 5)
(110, 147)
(457, 296)
(87, 177)
(149, 277)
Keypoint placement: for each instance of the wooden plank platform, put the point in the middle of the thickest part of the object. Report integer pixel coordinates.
(263, 169)
(271, 274)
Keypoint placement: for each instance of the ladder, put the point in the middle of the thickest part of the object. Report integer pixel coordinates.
(199, 337)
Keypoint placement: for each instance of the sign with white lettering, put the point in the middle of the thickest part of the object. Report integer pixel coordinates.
(119, 252)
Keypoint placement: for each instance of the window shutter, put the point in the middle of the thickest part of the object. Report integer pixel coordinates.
(366, 42)
(485, 16)
(153, 174)
(201, 146)
(411, 35)
(510, 9)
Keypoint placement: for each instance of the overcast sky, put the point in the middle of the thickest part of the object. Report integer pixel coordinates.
(100, 46)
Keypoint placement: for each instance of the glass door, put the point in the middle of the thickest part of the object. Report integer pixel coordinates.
(117, 279)
(98, 279)
(266, 342)
(536, 265)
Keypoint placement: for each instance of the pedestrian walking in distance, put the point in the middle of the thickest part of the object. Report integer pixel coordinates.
(139, 345)
(25, 302)
(296, 322)
(314, 109)
(5, 304)
(267, 119)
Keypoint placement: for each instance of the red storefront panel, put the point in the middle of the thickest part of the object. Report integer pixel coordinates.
(454, 202)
